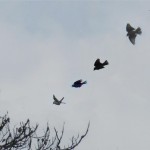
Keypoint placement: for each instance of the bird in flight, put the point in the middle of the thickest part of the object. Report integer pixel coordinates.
(132, 33)
(57, 102)
(98, 65)
(78, 83)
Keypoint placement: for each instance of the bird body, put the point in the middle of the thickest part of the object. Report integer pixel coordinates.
(78, 83)
(98, 65)
(57, 102)
(132, 33)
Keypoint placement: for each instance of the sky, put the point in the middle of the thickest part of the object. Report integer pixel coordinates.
(47, 45)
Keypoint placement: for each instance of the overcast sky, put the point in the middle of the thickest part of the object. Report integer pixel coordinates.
(47, 45)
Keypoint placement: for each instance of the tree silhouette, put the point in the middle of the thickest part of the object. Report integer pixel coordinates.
(25, 137)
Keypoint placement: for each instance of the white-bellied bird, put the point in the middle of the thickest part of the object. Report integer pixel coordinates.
(57, 102)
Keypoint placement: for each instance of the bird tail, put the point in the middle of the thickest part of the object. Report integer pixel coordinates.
(105, 63)
(85, 82)
(138, 30)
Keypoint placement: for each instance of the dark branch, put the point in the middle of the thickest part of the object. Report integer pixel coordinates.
(23, 137)
(76, 141)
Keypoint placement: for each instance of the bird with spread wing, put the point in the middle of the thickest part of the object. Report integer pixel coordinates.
(132, 33)
(98, 65)
(57, 102)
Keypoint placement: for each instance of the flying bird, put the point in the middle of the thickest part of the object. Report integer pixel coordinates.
(132, 33)
(78, 83)
(57, 102)
(98, 65)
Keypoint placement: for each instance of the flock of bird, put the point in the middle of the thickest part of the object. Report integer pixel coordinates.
(131, 33)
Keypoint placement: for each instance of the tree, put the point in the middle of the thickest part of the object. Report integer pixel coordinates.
(25, 137)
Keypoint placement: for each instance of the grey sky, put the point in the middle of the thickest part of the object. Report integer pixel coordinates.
(45, 46)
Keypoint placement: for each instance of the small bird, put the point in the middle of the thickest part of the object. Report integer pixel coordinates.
(132, 33)
(78, 83)
(57, 102)
(98, 65)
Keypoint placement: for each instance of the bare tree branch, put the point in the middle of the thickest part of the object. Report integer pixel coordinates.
(24, 136)
(77, 140)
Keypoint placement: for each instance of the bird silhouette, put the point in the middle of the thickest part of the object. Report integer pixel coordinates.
(132, 33)
(78, 83)
(57, 102)
(98, 65)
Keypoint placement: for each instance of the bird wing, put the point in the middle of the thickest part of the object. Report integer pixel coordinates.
(55, 99)
(61, 99)
(129, 28)
(97, 62)
(132, 38)
(78, 81)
